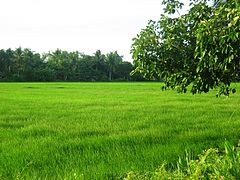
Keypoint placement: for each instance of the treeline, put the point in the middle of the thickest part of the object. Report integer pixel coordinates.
(27, 65)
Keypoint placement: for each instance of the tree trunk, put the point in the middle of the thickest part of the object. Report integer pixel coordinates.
(110, 76)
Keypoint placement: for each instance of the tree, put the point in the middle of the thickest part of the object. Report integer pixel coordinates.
(100, 66)
(59, 61)
(198, 49)
(18, 65)
(4, 65)
(112, 60)
(31, 62)
(217, 47)
(27, 65)
(123, 71)
(99, 60)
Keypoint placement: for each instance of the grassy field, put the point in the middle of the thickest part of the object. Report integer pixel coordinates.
(105, 130)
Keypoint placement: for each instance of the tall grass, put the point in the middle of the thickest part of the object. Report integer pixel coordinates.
(211, 164)
(104, 130)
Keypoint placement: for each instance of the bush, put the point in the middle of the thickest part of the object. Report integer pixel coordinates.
(211, 164)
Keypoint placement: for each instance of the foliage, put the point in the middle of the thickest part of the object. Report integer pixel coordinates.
(211, 164)
(112, 60)
(26, 65)
(198, 49)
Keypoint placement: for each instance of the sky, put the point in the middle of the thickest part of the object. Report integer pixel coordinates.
(75, 25)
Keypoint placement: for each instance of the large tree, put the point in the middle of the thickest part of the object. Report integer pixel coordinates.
(198, 49)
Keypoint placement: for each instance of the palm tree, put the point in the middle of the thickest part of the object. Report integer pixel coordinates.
(112, 60)
(99, 61)
(18, 58)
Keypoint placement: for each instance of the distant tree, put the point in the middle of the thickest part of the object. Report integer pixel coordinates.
(123, 71)
(99, 60)
(73, 66)
(18, 63)
(86, 70)
(27, 65)
(59, 62)
(4, 65)
(31, 62)
(112, 60)
(8, 63)
(100, 66)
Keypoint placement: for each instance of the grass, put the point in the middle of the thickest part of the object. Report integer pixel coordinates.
(211, 164)
(105, 130)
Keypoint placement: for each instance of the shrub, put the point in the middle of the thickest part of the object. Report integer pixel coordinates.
(211, 164)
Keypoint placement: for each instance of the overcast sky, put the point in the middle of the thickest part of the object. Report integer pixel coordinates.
(83, 25)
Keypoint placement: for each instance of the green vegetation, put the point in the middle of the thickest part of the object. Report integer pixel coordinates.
(211, 164)
(105, 130)
(26, 65)
(199, 49)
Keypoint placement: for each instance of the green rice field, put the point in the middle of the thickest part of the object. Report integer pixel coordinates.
(105, 130)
